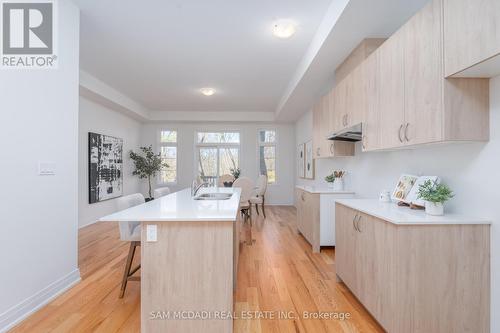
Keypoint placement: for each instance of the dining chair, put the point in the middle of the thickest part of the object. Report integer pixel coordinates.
(247, 186)
(259, 195)
(161, 192)
(225, 179)
(130, 231)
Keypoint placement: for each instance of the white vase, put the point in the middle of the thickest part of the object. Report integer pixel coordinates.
(434, 208)
(330, 184)
(338, 184)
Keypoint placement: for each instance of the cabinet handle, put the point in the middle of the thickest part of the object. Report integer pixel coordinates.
(399, 133)
(363, 140)
(406, 132)
(317, 151)
(357, 223)
(331, 148)
(302, 197)
(354, 222)
(347, 119)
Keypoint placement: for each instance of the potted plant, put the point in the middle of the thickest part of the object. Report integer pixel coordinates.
(147, 165)
(336, 180)
(330, 179)
(236, 172)
(435, 195)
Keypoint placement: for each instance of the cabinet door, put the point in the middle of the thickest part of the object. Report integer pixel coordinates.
(371, 123)
(308, 217)
(317, 119)
(423, 73)
(325, 126)
(471, 33)
(355, 97)
(375, 269)
(391, 91)
(339, 106)
(346, 246)
(299, 207)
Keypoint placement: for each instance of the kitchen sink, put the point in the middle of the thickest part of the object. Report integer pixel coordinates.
(213, 196)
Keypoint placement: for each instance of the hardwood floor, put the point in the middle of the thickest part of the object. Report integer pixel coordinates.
(277, 274)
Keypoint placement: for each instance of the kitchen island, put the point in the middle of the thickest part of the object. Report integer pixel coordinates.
(189, 258)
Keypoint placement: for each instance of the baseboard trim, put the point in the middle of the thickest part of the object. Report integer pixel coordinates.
(21, 311)
(87, 224)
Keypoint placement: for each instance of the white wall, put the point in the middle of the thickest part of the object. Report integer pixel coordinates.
(278, 194)
(39, 214)
(472, 171)
(96, 118)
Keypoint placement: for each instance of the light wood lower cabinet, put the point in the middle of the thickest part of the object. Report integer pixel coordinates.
(416, 278)
(308, 218)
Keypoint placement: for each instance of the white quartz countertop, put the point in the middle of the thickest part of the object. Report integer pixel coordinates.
(321, 190)
(180, 206)
(391, 212)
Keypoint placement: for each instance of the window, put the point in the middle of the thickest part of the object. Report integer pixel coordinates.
(217, 154)
(267, 155)
(168, 150)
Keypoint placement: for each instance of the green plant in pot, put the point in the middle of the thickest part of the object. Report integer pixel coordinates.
(435, 195)
(147, 165)
(335, 180)
(236, 172)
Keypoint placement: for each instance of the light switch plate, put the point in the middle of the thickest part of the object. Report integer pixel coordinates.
(46, 168)
(151, 233)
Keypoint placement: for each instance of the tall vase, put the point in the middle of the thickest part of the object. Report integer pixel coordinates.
(338, 185)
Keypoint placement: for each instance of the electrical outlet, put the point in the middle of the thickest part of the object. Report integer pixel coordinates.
(151, 233)
(46, 168)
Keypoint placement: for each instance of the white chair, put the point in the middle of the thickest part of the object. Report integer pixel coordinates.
(247, 186)
(161, 192)
(258, 197)
(130, 232)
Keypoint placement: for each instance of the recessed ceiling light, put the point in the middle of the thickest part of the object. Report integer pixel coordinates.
(284, 29)
(207, 91)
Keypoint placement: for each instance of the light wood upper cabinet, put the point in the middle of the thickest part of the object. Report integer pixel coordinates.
(339, 106)
(323, 112)
(391, 91)
(423, 76)
(355, 97)
(371, 115)
(401, 95)
(417, 105)
(472, 36)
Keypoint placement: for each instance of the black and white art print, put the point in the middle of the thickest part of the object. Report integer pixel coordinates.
(105, 167)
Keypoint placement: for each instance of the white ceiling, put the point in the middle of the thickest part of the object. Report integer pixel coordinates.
(160, 53)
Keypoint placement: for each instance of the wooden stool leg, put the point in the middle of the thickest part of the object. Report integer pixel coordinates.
(263, 211)
(126, 273)
(257, 208)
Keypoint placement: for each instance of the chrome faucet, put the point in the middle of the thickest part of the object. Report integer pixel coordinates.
(195, 187)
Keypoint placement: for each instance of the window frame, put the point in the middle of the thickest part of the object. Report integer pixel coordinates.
(268, 144)
(168, 144)
(198, 145)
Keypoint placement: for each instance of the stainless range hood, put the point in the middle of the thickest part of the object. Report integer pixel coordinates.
(351, 134)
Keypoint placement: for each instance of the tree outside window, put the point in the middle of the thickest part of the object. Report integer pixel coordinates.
(267, 155)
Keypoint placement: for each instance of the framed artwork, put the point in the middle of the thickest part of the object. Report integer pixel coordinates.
(301, 161)
(105, 167)
(309, 165)
(403, 187)
(412, 197)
